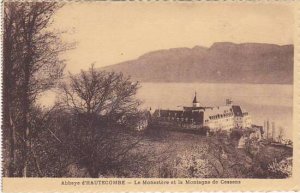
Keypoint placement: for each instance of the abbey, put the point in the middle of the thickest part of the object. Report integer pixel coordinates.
(225, 117)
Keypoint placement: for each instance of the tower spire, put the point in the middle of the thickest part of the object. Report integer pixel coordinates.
(195, 98)
(195, 102)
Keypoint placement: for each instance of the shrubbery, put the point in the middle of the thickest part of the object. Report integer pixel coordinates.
(282, 169)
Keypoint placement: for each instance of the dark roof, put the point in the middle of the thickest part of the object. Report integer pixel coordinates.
(237, 110)
(196, 115)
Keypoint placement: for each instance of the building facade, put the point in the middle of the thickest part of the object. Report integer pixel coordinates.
(225, 117)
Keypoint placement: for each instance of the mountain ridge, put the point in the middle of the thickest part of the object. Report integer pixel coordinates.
(222, 62)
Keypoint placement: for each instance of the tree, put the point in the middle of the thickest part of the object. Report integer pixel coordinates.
(105, 113)
(31, 65)
(280, 135)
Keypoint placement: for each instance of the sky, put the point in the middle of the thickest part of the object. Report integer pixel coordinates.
(107, 33)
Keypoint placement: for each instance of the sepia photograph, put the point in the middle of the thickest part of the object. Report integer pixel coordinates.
(147, 90)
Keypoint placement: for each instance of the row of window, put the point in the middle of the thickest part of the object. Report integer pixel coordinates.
(178, 119)
(219, 116)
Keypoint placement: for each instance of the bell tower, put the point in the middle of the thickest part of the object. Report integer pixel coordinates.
(195, 102)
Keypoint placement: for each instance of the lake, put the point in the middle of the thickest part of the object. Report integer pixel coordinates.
(263, 101)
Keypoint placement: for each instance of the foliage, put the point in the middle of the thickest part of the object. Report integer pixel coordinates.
(282, 169)
(105, 115)
(236, 134)
(31, 65)
(252, 147)
(192, 165)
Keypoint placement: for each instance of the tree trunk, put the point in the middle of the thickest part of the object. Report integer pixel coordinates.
(25, 115)
(12, 150)
(8, 88)
(36, 163)
(27, 65)
(26, 105)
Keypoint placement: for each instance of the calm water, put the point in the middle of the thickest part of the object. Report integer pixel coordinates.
(273, 102)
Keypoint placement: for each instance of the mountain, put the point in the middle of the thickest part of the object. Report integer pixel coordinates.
(223, 62)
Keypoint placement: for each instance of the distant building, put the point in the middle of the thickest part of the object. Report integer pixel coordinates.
(196, 116)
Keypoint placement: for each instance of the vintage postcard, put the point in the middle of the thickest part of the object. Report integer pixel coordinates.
(147, 96)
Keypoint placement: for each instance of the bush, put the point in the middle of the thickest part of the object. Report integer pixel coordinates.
(282, 169)
(236, 134)
(192, 166)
